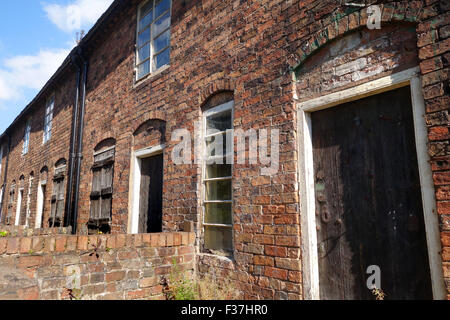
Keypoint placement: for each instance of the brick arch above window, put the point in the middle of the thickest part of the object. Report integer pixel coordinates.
(342, 23)
(152, 132)
(214, 88)
(217, 98)
(105, 144)
(43, 174)
(156, 115)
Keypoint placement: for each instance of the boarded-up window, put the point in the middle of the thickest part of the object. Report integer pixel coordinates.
(12, 193)
(102, 189)
(57, 209)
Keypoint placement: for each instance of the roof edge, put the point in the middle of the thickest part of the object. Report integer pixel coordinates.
(67, 61)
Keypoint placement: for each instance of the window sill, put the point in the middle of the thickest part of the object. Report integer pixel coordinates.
(226, 259)
(150, 76)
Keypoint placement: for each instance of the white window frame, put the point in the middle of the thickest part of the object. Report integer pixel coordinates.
(410, 77)
(48, 119)
(152, 53)
(26, 138)
(211, 112)
(135, 183)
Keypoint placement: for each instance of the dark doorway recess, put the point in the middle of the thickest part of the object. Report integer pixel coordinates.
(150, 206)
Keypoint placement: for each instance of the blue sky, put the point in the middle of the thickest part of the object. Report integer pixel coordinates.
(35, 38)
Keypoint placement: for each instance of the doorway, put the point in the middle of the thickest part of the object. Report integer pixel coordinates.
(150, 198)
(367, 193)
(147, 191)
(40, 204)
(368, 202)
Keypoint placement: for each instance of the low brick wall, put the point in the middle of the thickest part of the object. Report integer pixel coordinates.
(104, 267)
(22, 231)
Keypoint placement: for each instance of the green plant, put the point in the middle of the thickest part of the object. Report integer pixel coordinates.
(4, 234)
(178, 287)
(379, 294)
(211, 289)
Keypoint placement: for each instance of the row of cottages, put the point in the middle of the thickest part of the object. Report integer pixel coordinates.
(357, 115)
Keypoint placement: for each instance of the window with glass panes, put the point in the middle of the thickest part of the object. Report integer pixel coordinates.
(26, 138)
(153, 39)
(217, 179)
(48, 121)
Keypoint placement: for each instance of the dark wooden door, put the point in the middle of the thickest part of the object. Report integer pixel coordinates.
(368, 199)
(150, 217)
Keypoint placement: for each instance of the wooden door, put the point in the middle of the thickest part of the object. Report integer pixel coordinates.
(368, 199)
(150, 208)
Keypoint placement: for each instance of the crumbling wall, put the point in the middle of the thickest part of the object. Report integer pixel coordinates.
(119, 267)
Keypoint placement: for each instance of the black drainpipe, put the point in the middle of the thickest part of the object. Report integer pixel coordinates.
(69, 221)
(5, 178)
(80, 141)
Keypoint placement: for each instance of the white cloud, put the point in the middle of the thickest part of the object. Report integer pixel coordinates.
(76, 15)
(28, 72)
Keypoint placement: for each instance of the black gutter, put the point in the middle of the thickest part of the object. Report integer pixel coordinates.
(72, 160)
(5, 178)
(79, 155)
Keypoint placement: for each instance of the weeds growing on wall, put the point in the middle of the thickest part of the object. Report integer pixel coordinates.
(180, 287)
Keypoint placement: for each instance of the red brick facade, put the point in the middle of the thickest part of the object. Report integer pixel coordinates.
(270, 54)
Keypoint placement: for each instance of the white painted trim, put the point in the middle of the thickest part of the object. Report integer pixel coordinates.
(136, 161)
(428, 192)
(104, 150)
(306, 166)
(389, 83)
(39, 205)
(19, 206)
(308, 209)
(28, 211)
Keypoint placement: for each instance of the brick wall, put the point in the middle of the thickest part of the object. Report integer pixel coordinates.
(22, 231)
(39, 155)
(127, 267)
(250, 48)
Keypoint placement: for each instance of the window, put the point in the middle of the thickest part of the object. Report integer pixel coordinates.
(153, 36)
(57, 209)
(26, 138)
(217, 181)
(48, 121)
(101, 195)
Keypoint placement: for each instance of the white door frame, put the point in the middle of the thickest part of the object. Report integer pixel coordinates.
(135, 184)
(19, 206)
(410, 77)
(40, 204)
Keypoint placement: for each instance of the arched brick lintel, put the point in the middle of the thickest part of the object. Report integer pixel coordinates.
(156, 115)
(214, 87)
(402, 11)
